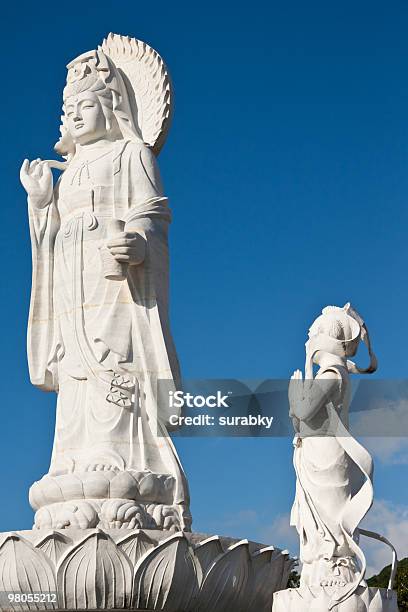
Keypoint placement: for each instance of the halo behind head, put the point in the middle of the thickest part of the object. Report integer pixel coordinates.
(146, 74)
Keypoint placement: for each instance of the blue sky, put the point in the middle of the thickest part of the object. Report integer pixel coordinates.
(286, 168)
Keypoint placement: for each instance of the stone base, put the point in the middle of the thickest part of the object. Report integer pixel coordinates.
(139, 570)
(365, 599)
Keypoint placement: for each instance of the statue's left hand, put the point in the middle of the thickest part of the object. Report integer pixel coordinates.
(128, 247)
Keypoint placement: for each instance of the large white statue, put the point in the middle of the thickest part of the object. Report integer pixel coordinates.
(333, 473)
(98, 329)
(112, 523)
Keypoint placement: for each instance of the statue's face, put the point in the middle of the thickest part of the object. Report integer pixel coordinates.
(86, 121)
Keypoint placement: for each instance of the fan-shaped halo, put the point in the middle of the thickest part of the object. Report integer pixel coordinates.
(147, 74)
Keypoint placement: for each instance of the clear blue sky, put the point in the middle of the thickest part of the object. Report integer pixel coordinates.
(287, 171)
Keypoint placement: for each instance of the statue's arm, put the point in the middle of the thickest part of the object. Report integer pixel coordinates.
(308, 397)
(146, 171)
(145, 186)
(44, 222)
(36, 178)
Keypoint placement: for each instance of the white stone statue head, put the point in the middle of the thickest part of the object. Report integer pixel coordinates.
(97, 103)
(122, 90)
(338, 331)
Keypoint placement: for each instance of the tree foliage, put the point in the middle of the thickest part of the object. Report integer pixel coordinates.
(294, 580)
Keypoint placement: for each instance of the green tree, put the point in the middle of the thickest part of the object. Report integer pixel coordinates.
(294, 580)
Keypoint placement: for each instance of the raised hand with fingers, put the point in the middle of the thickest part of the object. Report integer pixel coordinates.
(36, 178)
(295, 391)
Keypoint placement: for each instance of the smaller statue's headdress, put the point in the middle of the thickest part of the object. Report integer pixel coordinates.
(137, 79)
(338, 331)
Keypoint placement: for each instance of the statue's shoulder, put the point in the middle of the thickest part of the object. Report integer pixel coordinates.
(329, 373)
(133, 155)
(135, 163)
(331, 378)
(334, 381)
(132, 148)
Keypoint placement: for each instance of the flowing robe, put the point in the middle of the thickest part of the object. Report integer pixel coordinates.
(333, 494)
(102, 344)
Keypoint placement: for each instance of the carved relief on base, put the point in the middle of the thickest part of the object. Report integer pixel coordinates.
(141, 569)
(112, 514)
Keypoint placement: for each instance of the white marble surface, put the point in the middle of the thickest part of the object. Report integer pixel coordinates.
(142, 569)
(99, 330)
(334, 489)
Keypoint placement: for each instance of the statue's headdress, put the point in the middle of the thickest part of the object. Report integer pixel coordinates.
(338, 331)
(137, 79)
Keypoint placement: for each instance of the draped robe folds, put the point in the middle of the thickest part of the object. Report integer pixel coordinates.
(333, 494)
(86, 331)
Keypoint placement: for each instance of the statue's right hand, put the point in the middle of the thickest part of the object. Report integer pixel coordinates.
(295, 391)
(36, 178)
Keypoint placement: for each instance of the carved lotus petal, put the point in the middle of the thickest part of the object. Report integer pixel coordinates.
(207, 551)
(96, 484)
(44, 491)
(227, 585)
(288, 565)
(54, 544)
(264, 579)
(167, 577)
(25, 569)
(277, 571)
(95, 574)
(381, 602)
(124, 485)
(376, 604)
(135, 545)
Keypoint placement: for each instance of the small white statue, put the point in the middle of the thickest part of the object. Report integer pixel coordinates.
(98, 330)
(333, 473)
